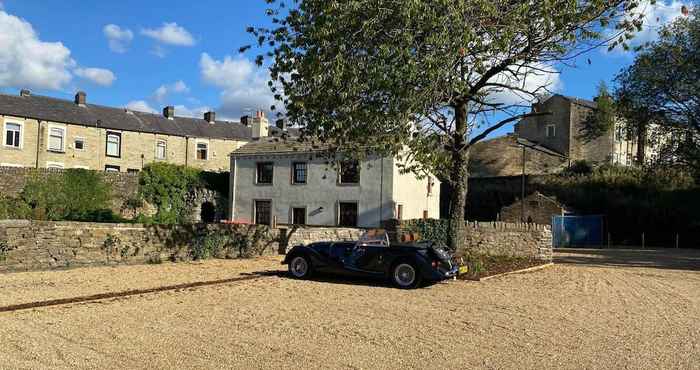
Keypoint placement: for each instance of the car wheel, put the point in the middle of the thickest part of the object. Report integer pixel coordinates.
(405, 275)
(300, 267)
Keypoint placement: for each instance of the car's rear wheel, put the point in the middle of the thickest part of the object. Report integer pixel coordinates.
(405, 275)
(300, 267)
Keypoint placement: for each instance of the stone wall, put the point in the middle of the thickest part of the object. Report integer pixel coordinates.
(38, 245)
(510, 239)
(539, 209)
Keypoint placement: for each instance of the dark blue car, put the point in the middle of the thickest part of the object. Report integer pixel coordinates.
(406, 265)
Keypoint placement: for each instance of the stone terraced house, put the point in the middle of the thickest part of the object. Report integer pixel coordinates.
(44, 132)
(292, 182)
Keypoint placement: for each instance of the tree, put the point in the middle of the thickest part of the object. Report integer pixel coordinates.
(416, 78)
(602, 119)
(662, 87)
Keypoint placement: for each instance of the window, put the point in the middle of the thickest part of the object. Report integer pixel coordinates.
(349, 172)
(54, 165)
(132, 170)
(399, 212)
(263, 212)
(347, 214)
(551, 131)
(114, 144)
(110, 168)
(161, 147)
(13, 135)
(299, 173)
(265, 172)
(299, 216)
(202, 151)
(79, 143)
(56, 136)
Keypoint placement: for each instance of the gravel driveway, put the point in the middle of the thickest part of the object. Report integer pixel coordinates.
(574, 315)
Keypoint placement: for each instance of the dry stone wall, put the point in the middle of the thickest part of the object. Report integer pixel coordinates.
(39, 245)
(510, 239)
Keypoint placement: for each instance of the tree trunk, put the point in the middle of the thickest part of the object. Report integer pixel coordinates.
(458, 180)
(641, 143)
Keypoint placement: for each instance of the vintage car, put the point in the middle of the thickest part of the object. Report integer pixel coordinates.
(405, 264)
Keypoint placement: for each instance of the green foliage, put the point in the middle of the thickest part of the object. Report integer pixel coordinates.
(166, 186)
(13, 208)
(662, 88)
(414, 79)
(579, 168)
(74, 195)
(430, 229)
(602, 119)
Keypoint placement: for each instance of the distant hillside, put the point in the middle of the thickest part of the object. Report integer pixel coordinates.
(502, 156)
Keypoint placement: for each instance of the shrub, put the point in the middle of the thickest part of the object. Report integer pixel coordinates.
(430, 229)
(166, 186)
(75, 195)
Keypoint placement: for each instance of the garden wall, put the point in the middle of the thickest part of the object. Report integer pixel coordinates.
(38, 245)
(510, 239)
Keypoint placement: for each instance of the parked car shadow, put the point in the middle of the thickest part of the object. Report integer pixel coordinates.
(676, 259)
(335, 279)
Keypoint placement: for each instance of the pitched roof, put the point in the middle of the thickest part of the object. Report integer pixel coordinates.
(586, 103)
(66, 111)
(279, 145)
(503, 156)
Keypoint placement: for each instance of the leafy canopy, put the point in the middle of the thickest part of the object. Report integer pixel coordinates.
(388, 75)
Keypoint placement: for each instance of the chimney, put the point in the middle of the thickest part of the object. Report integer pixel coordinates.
(169, 112)
(210, 117)
(80, 98)
(25, 93)
(245, 120)
(260, 125)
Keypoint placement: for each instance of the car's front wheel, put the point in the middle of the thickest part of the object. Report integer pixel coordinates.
(405, 275)
(300, 267)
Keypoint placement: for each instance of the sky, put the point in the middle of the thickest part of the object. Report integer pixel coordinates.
(145, 55)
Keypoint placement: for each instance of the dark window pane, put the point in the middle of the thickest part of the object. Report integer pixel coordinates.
(299, 216)
(265, 172)
(350, 172)
(348, 215)
(299, 173)
(263, 212)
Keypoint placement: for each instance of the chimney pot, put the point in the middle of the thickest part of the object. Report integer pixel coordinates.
(169, 112)
(80, 98)
(25, 93)
(210, 117)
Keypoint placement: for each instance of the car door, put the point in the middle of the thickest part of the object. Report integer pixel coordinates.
(339, 254)
(368, 259)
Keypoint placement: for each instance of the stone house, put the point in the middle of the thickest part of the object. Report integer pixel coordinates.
(287, 181)
(561, 132)
(44, 132)
(538, 209)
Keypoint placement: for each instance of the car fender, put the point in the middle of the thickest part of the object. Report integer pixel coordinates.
(302, 250)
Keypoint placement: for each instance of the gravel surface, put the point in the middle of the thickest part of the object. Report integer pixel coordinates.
(566, 316)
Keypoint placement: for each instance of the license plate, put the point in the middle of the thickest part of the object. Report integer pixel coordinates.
(463, 269)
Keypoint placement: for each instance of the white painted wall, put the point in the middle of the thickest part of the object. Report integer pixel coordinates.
(412, 193)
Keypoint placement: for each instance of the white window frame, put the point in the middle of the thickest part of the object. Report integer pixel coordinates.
(11, 165)
(81, 167)
(21, 134)
(554, 130)
(165, 149)
(78, 138)
(196, 150)
(55, 165)
(63, 139)
(119, 143)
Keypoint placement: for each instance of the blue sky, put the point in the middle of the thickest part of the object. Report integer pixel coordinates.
(148, 54)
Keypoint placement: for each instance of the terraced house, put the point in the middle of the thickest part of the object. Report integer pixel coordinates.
(44, 132)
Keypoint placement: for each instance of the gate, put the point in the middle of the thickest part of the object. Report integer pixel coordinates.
(577, 231)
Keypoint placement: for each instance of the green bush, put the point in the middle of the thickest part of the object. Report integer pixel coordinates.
(75, 195)
(430, 229)
(166, 186)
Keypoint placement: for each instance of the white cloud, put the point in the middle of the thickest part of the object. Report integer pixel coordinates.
(539, 79)
(100, 76)
(655, 17)
(198, 112)
(244, 87)
(171, 34)
(26, 61)
(164, 90)
(140, 106)
(119, 39)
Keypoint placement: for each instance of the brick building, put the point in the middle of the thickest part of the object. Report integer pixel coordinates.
(44, 132)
